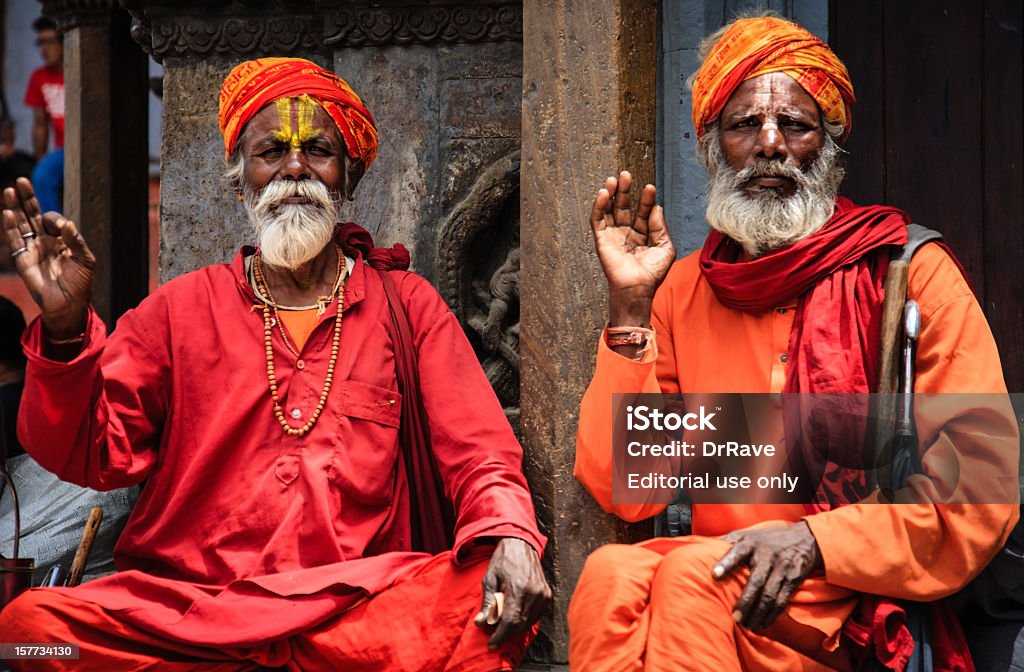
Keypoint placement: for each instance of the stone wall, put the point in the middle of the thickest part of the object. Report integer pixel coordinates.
(445, 115)
(446, 181)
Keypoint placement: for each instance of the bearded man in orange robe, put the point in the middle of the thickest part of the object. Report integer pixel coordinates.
(785, 296)
(259, 403)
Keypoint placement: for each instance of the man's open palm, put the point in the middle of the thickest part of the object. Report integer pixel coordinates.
(635, 252)
(52, 259)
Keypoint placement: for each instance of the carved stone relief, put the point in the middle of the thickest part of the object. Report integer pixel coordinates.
(166, 28)
(478, 265)
(468, 23)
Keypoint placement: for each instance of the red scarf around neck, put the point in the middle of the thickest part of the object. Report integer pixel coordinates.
(837, 284)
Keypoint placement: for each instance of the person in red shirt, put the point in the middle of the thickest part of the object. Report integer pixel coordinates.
(259, 405)
(45, 95)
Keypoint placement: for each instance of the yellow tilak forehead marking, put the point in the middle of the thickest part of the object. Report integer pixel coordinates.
(302, 130)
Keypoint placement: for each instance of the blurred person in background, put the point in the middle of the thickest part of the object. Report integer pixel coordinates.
(45, 95)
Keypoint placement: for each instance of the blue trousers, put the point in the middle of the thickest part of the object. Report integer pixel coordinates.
(48, 180)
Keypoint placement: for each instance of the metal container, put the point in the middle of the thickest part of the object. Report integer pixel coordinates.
(15, 578)
(15, 573)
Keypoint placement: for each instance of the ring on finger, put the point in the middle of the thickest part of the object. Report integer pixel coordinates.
(17, 252)
(29, 236)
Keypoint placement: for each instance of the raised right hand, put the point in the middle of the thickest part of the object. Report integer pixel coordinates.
(635, 253)
(52, 259)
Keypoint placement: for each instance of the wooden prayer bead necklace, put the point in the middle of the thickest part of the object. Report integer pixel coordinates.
(320, 304)
(270, 308)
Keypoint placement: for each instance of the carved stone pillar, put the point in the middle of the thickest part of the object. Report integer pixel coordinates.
(588, 112)
(198, 42)
(106, 146)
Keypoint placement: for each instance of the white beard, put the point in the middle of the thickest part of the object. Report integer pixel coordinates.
(291, 234)
(769, 220)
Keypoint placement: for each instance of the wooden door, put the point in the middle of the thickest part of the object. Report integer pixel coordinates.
(937, 131)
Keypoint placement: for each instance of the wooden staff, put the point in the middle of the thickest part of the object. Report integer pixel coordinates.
(892, 323)
(92, 526)
(891, 339)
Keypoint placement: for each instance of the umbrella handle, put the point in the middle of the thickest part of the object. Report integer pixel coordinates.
(10, 483)
(17, 510)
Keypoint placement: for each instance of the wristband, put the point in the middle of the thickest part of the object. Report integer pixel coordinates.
(65, 341)
(639, 336)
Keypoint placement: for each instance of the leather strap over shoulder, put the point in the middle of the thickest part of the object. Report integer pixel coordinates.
(917, 236)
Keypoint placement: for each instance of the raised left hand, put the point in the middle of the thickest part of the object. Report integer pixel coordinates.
(780, 558)
(516, 572)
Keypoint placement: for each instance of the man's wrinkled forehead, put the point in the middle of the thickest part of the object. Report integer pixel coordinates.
(774, 95)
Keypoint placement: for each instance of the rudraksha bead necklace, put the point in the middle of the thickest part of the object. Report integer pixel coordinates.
(270, 316)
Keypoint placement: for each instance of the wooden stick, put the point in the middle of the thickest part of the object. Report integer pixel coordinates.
(92, 526)
(892, 323)
(889, 348)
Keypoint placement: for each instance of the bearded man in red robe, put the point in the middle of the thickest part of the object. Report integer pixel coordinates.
(258, 403)
(785, 297)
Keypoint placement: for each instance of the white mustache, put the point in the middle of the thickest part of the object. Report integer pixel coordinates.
(763, 168)
(275, 193)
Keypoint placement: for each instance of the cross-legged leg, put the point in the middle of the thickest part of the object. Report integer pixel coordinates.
(423, 622)
(609, 615)
(106, 643)
(641, 609)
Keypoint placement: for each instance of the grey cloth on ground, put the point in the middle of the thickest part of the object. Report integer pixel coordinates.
(53, 515)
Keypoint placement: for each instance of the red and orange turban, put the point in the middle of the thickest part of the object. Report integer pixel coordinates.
(753, 47)
(253, 84)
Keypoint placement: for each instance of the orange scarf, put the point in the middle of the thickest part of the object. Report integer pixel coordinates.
(753, 47)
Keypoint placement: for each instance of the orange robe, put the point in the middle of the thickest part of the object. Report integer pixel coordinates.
(655, 606)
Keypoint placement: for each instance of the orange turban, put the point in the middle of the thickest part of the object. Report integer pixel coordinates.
(752, 47)
(254, 84)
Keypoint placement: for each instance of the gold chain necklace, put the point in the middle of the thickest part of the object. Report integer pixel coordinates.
(268, 300)
(320, 304)
(269, 307)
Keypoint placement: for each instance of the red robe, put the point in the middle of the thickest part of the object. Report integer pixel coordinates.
(243, 534)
